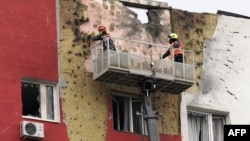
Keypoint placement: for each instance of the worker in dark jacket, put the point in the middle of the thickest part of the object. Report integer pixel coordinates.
(104, 37)
(177, 46)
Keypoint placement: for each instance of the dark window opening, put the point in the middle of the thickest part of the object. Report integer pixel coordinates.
(137, 122)
(118, 113)
(125, 115)
(31, 99)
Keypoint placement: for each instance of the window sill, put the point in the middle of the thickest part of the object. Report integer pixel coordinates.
(46, 120)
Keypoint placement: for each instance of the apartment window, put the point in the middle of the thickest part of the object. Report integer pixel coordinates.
(127, 114)
(205, 126)
(40, 101)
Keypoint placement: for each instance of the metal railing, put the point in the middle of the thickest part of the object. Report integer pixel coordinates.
(143, 59)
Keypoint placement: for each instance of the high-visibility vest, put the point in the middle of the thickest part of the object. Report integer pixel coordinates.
(177, 50)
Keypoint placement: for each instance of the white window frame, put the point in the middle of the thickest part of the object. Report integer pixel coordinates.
(130, 112)
(210, 120)
(200, 103)
(43, 108)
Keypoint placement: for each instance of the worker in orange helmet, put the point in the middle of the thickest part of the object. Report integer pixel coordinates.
(104, 37)
(177, 46)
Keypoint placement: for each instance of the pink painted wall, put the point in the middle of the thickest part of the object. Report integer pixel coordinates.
(28, 45)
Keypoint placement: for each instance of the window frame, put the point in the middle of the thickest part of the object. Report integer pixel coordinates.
(143, 123)
(210, 116)
(43, 101)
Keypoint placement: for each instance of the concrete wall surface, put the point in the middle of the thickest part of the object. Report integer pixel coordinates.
(224, 84)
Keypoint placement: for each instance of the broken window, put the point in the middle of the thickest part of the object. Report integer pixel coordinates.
(39, 100)
(127, 114)
(205, 126)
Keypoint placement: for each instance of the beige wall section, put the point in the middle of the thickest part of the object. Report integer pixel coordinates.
(193, 29)
(168, 105)
(84, 100)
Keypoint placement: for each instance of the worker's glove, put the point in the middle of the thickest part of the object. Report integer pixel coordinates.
(84, 33)
(89, 33)
(89, 37)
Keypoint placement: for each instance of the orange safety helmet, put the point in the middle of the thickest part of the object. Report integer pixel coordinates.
(101, 28)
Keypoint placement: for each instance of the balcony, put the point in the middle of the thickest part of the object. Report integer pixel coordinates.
(135, 60)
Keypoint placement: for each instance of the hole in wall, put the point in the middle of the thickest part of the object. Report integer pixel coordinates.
(141, 14)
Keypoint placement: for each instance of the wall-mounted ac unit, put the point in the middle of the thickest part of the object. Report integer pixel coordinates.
(31, 130)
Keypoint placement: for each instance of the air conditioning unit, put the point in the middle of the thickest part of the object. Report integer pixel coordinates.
(31, 130)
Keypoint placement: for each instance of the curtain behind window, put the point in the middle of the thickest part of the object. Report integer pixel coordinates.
(126, 126)
(198, 127)
(218, 123)
(137, 119)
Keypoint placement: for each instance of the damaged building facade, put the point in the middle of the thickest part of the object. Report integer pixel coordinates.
(55, 81)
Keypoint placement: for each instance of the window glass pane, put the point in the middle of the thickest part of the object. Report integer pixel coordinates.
(120, 107)
(31, 99)
(125, 116)
(218, 123)
(116, 113)
(50, 102)
(126, 122)
(198, 129)
(137, 119)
